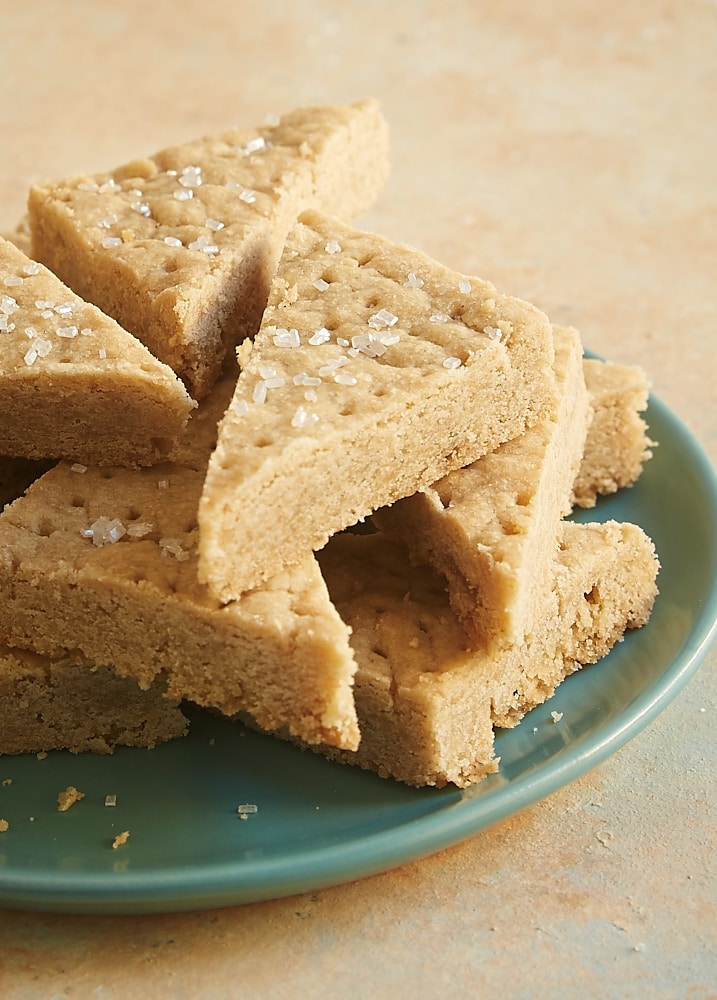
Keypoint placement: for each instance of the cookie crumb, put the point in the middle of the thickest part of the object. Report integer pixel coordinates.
(4, 825)
(120, 839)
(7, 781)
(68, 798)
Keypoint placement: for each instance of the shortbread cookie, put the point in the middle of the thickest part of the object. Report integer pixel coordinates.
(73, 383)
(180, 247)
(376, 371)
(103, 561)
(492, 528)
(427, 700)
(618, 444)
(62, 704)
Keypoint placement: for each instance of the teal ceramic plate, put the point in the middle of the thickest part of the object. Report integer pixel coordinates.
(319, 823)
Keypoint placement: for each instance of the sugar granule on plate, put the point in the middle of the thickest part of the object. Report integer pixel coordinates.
(68, 798)
(247, 809)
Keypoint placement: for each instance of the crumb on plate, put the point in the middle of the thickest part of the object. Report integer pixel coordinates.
(68, 798)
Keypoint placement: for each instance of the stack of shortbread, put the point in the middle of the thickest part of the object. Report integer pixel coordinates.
(358, 538)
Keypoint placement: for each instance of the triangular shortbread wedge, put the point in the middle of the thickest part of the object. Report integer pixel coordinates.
(103, 562)
(73, 383)
(618, 444)
(492, 528)
(180, 247)
(375, 372)
(62, 704)
(427, 700)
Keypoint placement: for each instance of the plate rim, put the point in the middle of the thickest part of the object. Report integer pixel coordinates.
(463, 815)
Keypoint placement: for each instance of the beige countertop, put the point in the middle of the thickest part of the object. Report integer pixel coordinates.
(567, 152)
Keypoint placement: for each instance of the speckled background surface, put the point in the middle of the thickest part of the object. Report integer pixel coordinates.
(567, 152)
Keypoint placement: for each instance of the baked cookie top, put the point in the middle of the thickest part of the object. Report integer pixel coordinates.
(180, 246)
(376, 370)
(73, 383)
